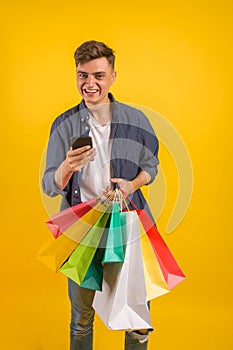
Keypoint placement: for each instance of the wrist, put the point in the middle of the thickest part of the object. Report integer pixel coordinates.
(63, 174)
(133, 185)
(142, 179)
(66, 169)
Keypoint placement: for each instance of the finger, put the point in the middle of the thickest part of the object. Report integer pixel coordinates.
(82, 161)
(77, 151)
(76, 162)
(108, 188)
(116, 180)
(108, 193)
(81, 156)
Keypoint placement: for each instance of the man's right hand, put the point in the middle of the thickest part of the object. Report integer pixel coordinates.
(75, 160)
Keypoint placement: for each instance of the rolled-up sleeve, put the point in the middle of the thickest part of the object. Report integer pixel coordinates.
(149, 152)
(56, 153)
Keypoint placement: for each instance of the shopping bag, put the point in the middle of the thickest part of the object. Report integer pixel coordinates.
(115, 249)
(78, 263)
(78, 230)
(122, 303)
(60, 222)
(169, 267)
(56, 252)
(155, 282)
(94, 276)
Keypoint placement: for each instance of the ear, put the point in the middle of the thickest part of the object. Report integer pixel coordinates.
(113, 76)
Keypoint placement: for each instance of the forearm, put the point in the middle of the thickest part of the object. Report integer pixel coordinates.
(130, 187)
(63, 175)
(140, 180)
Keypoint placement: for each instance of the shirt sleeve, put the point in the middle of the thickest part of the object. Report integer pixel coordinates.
(149, 152)
(56, 153)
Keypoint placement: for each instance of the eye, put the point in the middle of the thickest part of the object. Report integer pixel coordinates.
(82, 75)
(99, 76)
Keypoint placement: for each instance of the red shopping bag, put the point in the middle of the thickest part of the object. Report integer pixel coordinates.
(60, 222)
(170, 269)
(57, 251)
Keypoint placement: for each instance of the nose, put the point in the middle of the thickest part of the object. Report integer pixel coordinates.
(90, 80)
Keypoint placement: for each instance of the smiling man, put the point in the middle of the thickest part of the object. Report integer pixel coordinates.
(94, 79)
(124, 154)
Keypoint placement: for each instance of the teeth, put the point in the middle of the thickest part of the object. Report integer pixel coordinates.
(87, 90)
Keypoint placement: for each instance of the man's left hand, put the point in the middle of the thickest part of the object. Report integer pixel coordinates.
(124, 185)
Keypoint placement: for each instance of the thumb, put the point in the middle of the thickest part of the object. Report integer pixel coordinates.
(116, 180)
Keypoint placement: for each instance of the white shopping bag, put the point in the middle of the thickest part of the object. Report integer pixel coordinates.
(122, 303)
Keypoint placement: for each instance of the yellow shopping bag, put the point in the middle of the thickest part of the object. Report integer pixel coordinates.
(54, 253)
(155, 282)
(77, 231)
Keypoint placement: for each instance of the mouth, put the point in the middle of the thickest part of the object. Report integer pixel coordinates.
(91, 92)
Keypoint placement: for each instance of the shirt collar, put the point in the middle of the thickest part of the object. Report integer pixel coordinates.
(84, 111)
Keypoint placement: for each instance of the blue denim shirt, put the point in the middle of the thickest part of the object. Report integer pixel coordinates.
(134, 148)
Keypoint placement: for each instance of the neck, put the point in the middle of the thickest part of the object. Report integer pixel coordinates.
(101, 113)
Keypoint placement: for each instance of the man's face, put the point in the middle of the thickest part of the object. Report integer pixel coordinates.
(94, 79)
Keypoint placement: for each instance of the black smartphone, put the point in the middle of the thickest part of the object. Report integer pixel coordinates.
(80, 141)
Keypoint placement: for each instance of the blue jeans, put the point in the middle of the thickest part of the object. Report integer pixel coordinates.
(82, 317)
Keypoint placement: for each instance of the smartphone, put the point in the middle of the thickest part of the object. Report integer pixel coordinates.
(80, 141)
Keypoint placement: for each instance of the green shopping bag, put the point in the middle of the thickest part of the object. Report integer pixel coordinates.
(115, 247)
(95, 273)
(80, 260)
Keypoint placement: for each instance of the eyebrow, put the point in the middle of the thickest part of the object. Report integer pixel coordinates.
(100, 72)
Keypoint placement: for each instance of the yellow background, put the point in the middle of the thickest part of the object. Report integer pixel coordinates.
(174, 57)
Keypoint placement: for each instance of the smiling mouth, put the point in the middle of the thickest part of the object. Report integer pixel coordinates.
(90, 91)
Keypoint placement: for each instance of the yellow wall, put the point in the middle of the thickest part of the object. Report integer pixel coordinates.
(174, 57)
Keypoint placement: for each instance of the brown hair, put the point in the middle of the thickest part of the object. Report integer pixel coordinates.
(91, 50)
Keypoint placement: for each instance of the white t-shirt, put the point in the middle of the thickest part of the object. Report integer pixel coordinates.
(96, 174)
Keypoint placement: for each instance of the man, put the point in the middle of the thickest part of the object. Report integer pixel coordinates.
(124, 155)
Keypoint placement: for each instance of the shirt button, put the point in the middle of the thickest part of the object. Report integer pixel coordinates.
(87, 117)
(86, 127)
(75, 191)
(82, 119)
